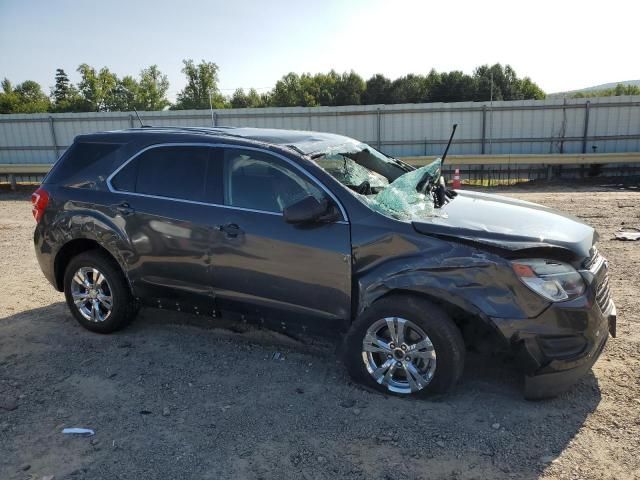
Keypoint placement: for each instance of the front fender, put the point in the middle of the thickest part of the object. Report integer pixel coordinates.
(481, 284)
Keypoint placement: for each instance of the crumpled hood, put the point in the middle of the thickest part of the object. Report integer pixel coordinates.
(508, 223)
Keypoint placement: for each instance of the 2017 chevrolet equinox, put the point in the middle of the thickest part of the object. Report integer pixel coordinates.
(316, 231)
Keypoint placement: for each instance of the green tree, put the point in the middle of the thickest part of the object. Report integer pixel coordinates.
(619, 90)
(98, 89)
(411, 88)
(125, 96)
(349, 89)
(202, 81)
(32, 98)
(152, 89)
(65, 95)
(324, 88)
(453, 86)
(104, 91)
(506, 84)
(529, 90)
(63, 87)
(255, 99)
(240, 99)
(26, 97)
(88, 87)
(8, 98)
(377, 90)
(265, 99)
(308, 90)
(289, 92)
(487, 81)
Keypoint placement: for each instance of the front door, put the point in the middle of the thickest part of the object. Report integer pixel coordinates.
(264, 264)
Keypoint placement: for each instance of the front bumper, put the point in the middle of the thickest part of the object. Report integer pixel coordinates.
(560, 346)
(548, 385)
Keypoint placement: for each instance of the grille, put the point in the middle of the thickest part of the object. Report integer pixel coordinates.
(603, 294)
(593, 258)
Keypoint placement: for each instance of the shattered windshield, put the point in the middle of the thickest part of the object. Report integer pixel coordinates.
(350, 173)
(385, 184)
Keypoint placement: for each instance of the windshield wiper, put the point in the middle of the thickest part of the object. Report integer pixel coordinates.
(396, 161)
(293, 147)
(403, 166)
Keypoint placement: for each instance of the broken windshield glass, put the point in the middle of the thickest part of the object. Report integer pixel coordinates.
(401, 199)
(385, 184)
(350, 173)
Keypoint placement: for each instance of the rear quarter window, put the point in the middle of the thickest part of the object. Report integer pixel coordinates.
(79, 157)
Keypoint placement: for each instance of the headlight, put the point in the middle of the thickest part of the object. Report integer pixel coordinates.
(555, 281)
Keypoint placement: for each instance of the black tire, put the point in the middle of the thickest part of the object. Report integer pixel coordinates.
(444, 335)
(124, 307)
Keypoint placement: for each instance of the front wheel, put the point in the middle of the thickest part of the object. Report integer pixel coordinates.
(405, 345)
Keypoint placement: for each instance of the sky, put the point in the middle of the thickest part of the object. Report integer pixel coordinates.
(562, 44)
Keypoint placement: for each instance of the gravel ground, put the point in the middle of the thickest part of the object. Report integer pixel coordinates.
(175, 396)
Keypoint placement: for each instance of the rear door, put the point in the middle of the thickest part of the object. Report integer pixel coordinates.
(164, 202)
(263, 264)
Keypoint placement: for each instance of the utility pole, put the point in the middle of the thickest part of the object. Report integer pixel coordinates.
(213, 122)
(491, 115)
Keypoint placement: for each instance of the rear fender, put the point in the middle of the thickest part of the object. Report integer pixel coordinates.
(91, 225)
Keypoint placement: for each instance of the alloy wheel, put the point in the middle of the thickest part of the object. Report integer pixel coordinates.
(399, 355)
(91, 294)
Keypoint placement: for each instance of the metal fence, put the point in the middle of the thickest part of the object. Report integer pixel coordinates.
(555, 126)
(477, 170)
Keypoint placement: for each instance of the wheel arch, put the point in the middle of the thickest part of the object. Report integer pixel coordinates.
(474, 325)
(74, 248)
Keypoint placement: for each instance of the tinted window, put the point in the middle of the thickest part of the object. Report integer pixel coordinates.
(185, 173)
(263, 182)
(79, 156)
(126, 178)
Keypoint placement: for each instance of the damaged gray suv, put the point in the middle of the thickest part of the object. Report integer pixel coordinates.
(315, 232)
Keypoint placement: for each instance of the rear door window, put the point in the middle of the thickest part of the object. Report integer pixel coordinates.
(184, 173)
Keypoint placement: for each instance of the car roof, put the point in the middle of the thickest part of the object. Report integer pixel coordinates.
(305, 142)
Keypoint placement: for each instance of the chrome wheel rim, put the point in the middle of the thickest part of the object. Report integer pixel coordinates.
(399, 355)
(91, 294)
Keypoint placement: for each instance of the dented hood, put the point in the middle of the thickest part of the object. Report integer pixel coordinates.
(508, 223)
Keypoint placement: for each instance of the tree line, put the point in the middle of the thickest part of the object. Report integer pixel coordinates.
(617, 91)
(103, 91)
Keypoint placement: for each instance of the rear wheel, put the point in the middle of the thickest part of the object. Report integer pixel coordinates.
(405, 345)
(97, 292)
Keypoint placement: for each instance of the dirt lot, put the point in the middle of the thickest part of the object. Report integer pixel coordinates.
(174, 396)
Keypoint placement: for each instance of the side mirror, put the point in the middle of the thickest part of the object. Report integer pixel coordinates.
(309, 210)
